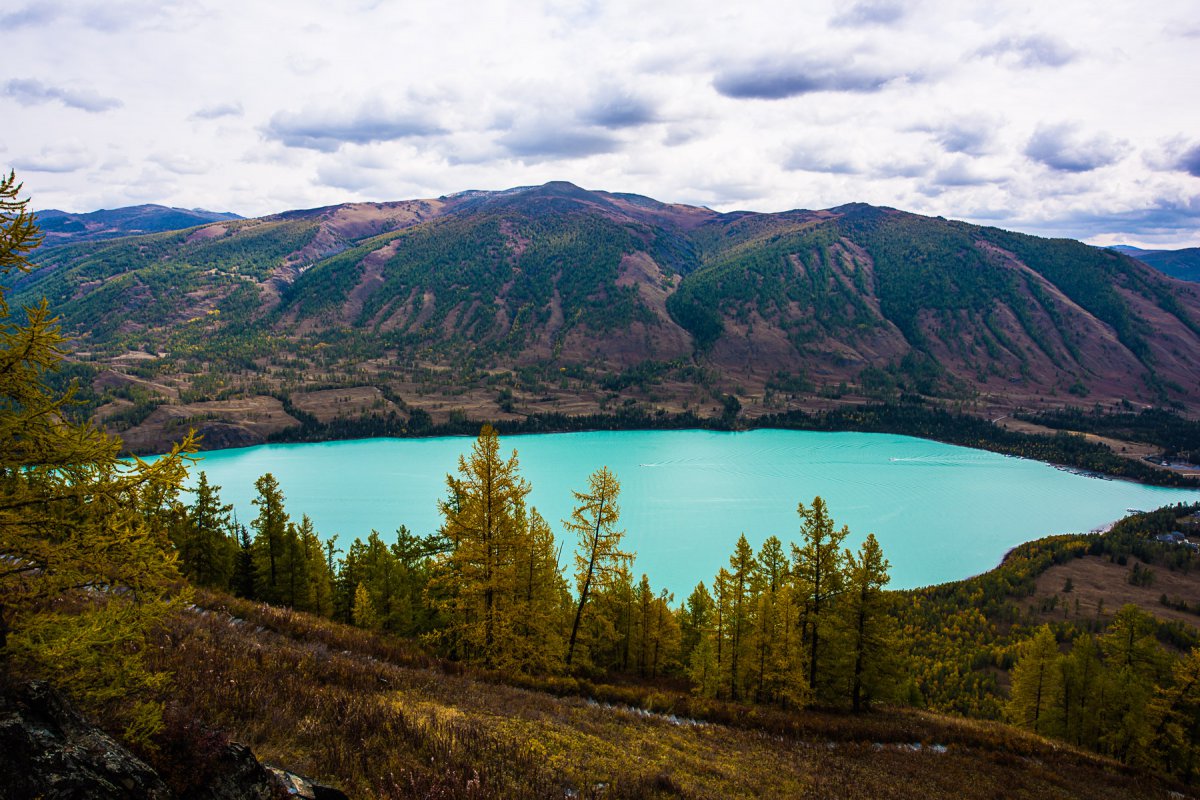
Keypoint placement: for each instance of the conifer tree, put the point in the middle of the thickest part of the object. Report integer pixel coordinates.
(1035, 682)
(363, 611)
(484, 522)
(665, 638)
(270, 539)
(867, 626)
(818, 569)
(598, 555)
(1083, 692)
(539, 603)
(776, 659)
(1134, 664)
(693, 620)
(83, 577)
(742, 580)
(1175, 714)
(205, 540)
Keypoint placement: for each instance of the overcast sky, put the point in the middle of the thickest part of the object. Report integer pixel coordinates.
(1072, 118)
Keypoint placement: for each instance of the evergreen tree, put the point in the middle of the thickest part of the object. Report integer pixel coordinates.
(598, 555)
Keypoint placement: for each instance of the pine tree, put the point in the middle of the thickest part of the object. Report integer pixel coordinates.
(598, 555)
(84, 577)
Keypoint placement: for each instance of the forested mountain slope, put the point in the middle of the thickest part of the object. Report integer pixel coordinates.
(491, 303)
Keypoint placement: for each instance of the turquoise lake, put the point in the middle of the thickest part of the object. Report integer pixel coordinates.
(940, 512)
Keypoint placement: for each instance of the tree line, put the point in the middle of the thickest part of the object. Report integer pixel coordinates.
(789, 625)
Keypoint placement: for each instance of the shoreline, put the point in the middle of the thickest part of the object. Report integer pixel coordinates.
(1061, 450)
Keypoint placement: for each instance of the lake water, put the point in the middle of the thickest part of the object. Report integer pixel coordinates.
(940, 512)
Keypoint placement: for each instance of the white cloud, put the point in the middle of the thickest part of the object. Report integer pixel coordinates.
(61, 158)
(1063, 147)
(933, 106)
(32, 92)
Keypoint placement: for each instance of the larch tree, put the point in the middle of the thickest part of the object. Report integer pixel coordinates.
(205, 539)
(1175, 714)
(868, 628)
(777, 656)
(1036, 682)
(270, 539)
(743, 575)
(594, 522)
(485, 523)
(83, 576)
(819, 571)
(693, 620)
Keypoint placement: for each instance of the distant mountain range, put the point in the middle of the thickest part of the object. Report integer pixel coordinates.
(555, 298)
(65, 227)
(1183, 264)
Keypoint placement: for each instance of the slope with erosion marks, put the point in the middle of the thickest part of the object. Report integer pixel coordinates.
(897, 301)
(543, 294)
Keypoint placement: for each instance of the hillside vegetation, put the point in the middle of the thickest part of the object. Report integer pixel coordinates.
(494, 306)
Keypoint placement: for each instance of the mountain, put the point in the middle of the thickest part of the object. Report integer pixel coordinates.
(1183, 264)
(64, 227)
(555, 298)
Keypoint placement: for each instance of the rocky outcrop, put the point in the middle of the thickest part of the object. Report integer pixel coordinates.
(49, 751)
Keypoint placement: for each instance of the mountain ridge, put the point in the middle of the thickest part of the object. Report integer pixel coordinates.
(1183, 263)
(66, 227)
(500, 304)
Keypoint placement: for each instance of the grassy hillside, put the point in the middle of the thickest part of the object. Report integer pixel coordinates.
(380, 719)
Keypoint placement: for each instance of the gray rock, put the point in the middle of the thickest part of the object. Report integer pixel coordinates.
(48, 750)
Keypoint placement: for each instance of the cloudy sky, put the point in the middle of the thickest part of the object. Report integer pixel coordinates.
(1072, 118)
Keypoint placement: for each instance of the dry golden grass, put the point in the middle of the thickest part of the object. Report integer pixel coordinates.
(1096, 579)
(381, 719)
